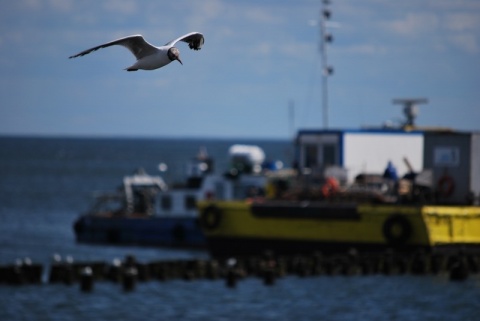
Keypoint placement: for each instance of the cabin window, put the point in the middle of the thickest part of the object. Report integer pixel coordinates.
(311, 156)
(166, 202)
(190, 202)
(329, 152)
(320, 155)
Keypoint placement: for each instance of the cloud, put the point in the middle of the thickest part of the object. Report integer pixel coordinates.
(86, 18)
(298, 50)
(467, 42)
(31, 4)
(125, 7)
(61, 5)
(414, 24)
(199, 14)
(365, 49)
(260, 15)
(262, 48)
(437, 29)
(463, 29)
(462, 21)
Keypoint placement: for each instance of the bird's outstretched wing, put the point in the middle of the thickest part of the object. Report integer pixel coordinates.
(136, 44)
(195, 40)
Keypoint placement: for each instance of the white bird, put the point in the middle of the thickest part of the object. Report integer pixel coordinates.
(148, 56)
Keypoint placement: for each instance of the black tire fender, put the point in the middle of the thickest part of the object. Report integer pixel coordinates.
(397, 230)
(210, 217)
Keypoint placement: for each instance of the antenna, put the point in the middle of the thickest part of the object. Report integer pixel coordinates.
(327, 70)
(410, 108)
(291, 116)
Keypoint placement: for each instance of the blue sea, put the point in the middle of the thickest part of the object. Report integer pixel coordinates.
(46, 182)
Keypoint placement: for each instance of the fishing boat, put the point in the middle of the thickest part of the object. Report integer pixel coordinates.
(145, 211)
(371, 189)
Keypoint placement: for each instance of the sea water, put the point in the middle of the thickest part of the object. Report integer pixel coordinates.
(45, 183)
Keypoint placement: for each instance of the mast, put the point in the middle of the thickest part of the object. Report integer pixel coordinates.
(327, 70)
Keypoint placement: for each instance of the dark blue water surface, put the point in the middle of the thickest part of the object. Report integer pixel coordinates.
(45, 183)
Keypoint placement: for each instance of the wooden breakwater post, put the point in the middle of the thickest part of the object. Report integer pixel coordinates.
(454, 266)
(86, 279)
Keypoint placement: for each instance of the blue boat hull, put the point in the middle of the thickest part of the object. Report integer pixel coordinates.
(152, 231)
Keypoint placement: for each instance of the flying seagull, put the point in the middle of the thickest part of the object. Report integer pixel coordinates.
(148, 56)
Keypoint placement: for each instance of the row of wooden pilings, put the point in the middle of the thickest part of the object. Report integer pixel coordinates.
(129, 272)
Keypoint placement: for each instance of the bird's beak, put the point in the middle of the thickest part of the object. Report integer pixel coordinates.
(178, 58)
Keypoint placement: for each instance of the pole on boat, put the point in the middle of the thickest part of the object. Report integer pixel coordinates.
(327, 70)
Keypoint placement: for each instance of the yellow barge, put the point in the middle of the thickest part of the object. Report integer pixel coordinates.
(370, 189)
(245, 228)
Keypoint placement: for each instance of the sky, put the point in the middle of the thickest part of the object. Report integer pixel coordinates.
(258, 74)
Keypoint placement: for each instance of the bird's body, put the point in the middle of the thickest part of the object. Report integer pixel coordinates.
(153, 61)
(150, 57)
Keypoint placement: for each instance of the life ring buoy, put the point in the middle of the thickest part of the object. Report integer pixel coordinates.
(330, 187)
(210, 217)
(397, 230)
(446, 186)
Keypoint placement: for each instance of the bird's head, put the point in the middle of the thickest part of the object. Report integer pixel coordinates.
(174, 54)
